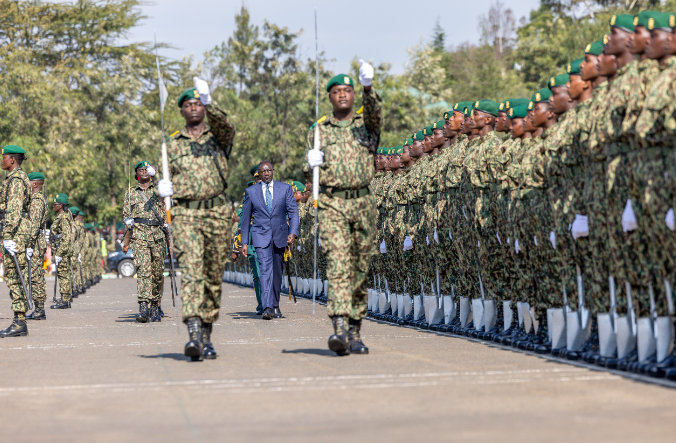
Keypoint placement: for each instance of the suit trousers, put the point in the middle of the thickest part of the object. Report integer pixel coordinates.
(270, 260)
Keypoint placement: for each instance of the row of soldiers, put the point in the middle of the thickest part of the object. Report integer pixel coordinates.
(74, 245)
(528, 203)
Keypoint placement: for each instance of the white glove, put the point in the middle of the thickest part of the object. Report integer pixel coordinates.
(669, 219)
(435, 236)
(57, 260)
(315, 157)
(203, 90)
(10, 246)
(552, 239)
(29, 253)
(478, 244)
(629, 218)
(408, 243)
(165, 188)
(151, 171)
(427, 239)
(580, 226)
(366, 73)
(498, 236)
(129, 222)
(535, 239)
(79, 258)
(319, 241)
(166, 226)
(516, 246)
(383, 247)
(298, 247)
(450, 235)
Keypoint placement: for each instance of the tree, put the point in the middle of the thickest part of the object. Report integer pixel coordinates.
(497, 27)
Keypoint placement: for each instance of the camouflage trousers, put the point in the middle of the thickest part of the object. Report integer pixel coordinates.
(447, 260)
(149, 260)
(509, 271)
(347, 236)
(19, 301)
(202, 245)
(489, 252)
(522, 232)
(77, 280)
(396, 260)
(462, 231)
(597, 211)
(38, 280)
(65, 277)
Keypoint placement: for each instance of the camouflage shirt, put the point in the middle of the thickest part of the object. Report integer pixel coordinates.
(14, 200)
(453, 177)
(349, 146)
(37, 213)
(656, 126)
(611, 133)
(135, 206)
(61, 235)
(648, 70)
(534, 163)
(191, 160)
(594, 148)
(487, 168)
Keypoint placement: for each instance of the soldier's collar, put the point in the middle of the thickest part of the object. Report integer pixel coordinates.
(183, 132)
(332, 120)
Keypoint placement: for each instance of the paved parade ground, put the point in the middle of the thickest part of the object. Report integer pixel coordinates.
(92, 374)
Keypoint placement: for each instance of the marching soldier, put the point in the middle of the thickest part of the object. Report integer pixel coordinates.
(14, 201)
(77, 249)
(347, 207)
(61, 241)
(198, 157)
(144, 215)
(37, 214)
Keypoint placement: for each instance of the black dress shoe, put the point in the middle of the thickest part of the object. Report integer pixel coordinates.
(195, 346)
(209, 351)
(18, 328)
(37, 314)
(143, 313)
(61, 305)
(338, 341)
(268, 314)
(277, 313)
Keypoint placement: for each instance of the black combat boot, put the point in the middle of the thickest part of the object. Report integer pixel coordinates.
(61, 304)
(338, 341)
(155, 312)
(195, 347)
(37, 314)
(356, 345)
(161, 312)
(143, 313)
(18, 328)
(209, 351)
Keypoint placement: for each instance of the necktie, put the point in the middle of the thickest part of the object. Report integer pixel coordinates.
(268, 197)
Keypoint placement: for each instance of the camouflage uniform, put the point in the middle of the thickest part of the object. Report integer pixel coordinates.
(655, 172)
(61, 240)
(347, 229)
(447, 260)
(14, 201)
(37, 213)
(201, 216)
(147, 241)
(469, 240)
(398, 258)
(501, 209)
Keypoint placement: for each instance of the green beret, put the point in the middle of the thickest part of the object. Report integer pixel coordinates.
(254, 170)
(467, 110)
(398, 150)
(74, 209)
(513, 102)
(448, 114)
(487, 106)
(427, 130)
(298, 186)
(187, 95)
(141, 164)
(519, 111)
(672, 19)
(624, 22)
(658, 20)
(460, 106)
(502, 107)
(13, 149)
(61, 198)
(530, 106)
(81, 213)
(408, 142)
(642, 18)
(595, 48)
(36, 176)
(250, 183)
(88, 225)
(439, 125)
(340, 79)
(541, 95)
(559, 80)
(419, 136)
(573, 67)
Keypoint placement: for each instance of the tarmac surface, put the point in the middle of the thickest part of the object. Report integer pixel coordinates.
(93, 374)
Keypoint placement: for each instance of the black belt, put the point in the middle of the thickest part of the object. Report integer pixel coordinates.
(145, 221)
(346, 194)
(575, 170)
(55, 236)
(656, 153)
(201, 204)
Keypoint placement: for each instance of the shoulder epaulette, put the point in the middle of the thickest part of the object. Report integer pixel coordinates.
(322, 120)
(360, 110)
(175, 133)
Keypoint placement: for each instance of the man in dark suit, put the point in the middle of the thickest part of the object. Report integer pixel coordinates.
(267, 204)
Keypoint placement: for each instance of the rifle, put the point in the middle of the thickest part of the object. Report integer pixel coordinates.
(29, 298)
(30, 280)
(287, 260)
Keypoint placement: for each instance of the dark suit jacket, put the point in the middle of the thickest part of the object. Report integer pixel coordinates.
(268, 227)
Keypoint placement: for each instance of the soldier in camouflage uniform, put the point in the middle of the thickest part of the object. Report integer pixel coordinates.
(61, 241)
(14, 202)
(37, 246)
(144, 215)
(198, 157)
(76, 251)
(347, 207)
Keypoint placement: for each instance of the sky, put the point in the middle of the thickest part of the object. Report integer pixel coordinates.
(377, 30)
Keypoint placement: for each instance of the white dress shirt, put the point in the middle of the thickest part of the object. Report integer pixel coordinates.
(272, 191)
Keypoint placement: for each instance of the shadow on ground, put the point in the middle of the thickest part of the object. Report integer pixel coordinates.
(322, 352)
